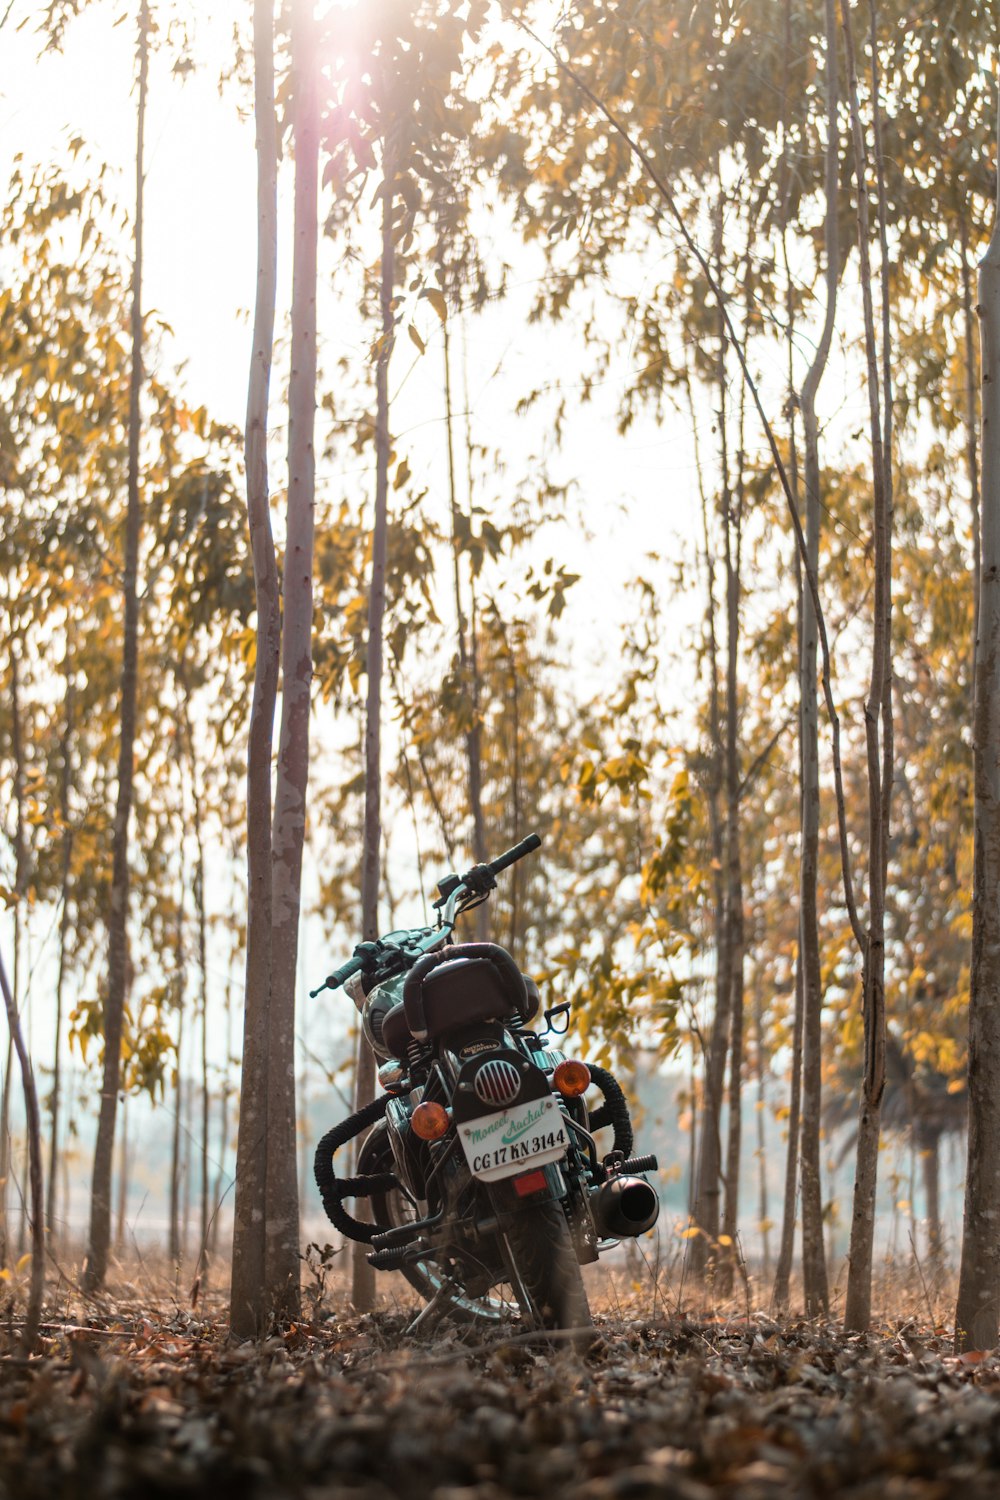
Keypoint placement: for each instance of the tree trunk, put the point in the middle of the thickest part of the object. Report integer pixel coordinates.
(735, 935)
(976, 1315)
(6, 1151)
(199, 896)
(288, 835)
(693, 1143)
(468, 667)
(762, 1204)
(114, 1007)
(701, 1250)
(20, 891)
(224, 1091)
(247, 1300)
(878, 737)
(363, 1283)
(122, 1180)
(187, 1174)
(201, 919)
(65, 780)
(37, 1197)
(814, 1273)
(971, 450)
(174, 1242)
(928, 1142)
(786, 1246)
(783, 1270)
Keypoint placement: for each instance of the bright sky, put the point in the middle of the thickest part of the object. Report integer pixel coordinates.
(200, 264)
(638, 493)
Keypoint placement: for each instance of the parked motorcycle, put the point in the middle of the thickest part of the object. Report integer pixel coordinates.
(488, 1189)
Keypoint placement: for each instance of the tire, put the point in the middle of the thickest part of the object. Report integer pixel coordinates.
(545, 1272)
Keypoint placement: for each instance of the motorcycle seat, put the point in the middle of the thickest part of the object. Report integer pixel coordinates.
(396, 1034)
(462, 984)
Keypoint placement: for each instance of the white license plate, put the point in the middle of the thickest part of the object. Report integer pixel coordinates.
(525, 1135)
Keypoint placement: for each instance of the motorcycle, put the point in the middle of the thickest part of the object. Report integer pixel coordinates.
(488, 1190)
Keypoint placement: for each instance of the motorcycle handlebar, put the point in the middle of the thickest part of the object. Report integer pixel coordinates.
(446, 886)
(336, 979)
(526, 846)
(495, 866)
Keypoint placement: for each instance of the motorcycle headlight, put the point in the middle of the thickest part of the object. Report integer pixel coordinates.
(355, 987)
(380, 1001)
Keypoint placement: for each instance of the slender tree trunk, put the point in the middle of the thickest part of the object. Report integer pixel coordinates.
(20, 891)
(878, 736)
(201, 918)
(814, 1272)
(114, 1006)
(37, 1197)
(224, 1092)
(466, 661)
(122, 1180)
(783, 1270)
(693, 1144)
(363, 1285)
(187, 1173)
(510, 651)
(735, 940)
(288, 836)
(206, 1096)
(6, 1152)
(65, 781)
(174, 1242)
(701, 1249)
(978, 1309)
(762, 1204)
(928, 1142)
(247, 1311)
(971, 448)
(786, 1246)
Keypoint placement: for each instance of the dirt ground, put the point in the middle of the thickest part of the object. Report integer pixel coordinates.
(140, 1401)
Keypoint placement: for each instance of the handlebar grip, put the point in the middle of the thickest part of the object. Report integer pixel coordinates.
(336, 979)
(504, 861)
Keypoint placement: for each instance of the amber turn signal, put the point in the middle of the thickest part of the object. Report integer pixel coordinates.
(572, 1079)
(430, 1121)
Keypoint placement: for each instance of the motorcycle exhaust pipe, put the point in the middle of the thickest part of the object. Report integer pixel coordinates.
(624, 1207)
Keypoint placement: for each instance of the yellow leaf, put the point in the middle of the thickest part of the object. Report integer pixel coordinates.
(4, 1274)
(436, 298)
(414, 335)
(25, 1260)
(689, 1234)
(725, 1239)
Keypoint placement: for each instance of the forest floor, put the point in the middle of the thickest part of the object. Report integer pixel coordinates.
(140, 1401)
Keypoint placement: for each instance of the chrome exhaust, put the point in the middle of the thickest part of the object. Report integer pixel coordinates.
(624, 1207)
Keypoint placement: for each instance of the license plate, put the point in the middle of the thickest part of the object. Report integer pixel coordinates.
(524, 1135)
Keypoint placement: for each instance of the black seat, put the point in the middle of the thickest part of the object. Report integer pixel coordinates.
(461, 985)
(464, 992)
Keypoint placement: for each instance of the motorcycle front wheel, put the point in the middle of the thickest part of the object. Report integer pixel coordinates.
(446, 1288)
(539, 1277)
